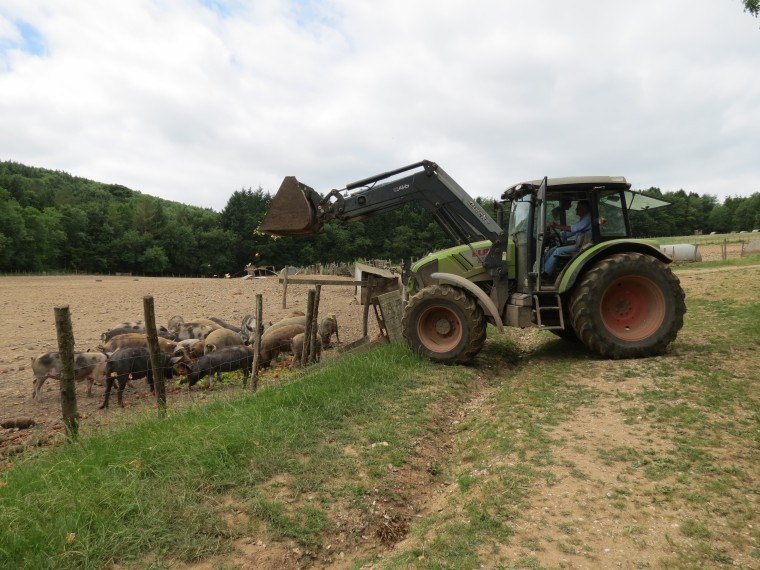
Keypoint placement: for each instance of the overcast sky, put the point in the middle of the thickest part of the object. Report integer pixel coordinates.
(191, 100)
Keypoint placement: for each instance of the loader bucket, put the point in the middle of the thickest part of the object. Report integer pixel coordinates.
(293, 211)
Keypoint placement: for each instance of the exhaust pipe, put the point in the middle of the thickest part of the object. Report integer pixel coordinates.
(293, 211)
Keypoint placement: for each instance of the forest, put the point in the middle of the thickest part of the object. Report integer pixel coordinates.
(51, 221)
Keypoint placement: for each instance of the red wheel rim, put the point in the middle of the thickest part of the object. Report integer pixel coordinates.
(633, 308)
(439, 329)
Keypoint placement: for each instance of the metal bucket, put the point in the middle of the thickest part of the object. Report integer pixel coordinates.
(293, 211)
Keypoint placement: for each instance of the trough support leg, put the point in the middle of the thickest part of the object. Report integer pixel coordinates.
(314, 326)
(257, 344)
(285, 288)
(367, 302)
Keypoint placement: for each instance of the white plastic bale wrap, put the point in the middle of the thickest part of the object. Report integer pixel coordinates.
(682, 252)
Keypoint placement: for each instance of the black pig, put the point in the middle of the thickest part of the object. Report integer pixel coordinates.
(133, 363)
(221, 360)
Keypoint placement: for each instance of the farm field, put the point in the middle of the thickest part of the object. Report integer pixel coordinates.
(539, 455)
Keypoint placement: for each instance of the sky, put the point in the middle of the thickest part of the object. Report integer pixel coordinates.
(192, 100)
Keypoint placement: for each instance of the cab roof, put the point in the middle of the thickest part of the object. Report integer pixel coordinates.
(568, 183)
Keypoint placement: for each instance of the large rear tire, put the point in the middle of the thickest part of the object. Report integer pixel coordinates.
(629, 305)
(444, 324)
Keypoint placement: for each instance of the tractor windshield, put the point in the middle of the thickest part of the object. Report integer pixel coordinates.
(613, 208)
(634, 201)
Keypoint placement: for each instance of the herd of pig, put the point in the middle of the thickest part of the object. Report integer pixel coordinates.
(194, 349)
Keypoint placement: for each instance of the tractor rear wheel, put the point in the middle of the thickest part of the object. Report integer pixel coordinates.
(444, 324)
(629, 305)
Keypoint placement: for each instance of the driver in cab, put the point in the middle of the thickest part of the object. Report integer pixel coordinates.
(582, 226)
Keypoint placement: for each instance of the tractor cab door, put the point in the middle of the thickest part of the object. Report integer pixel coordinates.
(524, 230)
(539, 233)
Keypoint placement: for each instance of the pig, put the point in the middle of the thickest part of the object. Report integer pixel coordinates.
(297, 349)
(109, 334)
(87, 365)
(222, 360)
(134, 340)
(327, 328)
(295, 313)
(187, 344)
(217, 339)
(177, 320)
(248, 328)
(132, 363)
(296, 320)
(276, 341)
(136, 326)
(185, 350)
(192, 329)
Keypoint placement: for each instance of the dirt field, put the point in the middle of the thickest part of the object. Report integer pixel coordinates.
(98, 303)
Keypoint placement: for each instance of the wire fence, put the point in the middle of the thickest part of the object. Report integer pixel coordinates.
(141, 358)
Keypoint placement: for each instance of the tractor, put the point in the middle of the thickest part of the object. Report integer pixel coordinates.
(615, 294)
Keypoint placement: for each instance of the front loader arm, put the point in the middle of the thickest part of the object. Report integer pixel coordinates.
(298, 210)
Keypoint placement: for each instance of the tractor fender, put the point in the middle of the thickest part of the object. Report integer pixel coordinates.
(484, 300)
(591, 256)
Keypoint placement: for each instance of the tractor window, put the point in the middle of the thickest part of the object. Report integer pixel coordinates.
(612, 212)
(638, 202)
(520, 224)
(554, 211)
(520, 217)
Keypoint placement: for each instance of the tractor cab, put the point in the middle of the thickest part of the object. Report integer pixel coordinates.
(554, 220)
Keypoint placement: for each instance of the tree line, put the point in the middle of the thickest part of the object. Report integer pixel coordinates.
(52, 221)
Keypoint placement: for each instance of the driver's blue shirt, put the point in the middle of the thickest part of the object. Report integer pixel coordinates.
(582, 226)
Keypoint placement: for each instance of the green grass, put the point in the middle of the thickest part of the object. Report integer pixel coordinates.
(154, 489)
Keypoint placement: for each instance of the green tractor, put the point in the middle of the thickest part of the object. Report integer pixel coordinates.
(615, 294)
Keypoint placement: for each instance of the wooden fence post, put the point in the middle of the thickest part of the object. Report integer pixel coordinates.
(257, 343)
(68, 385)
(156, 362)
(307, 330)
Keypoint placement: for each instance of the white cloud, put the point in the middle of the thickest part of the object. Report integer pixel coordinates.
(194, 100)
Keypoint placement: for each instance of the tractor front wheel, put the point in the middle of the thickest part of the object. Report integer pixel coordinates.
(444, 324)
(629, 305)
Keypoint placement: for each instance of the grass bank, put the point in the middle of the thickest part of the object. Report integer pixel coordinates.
(164, 490)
